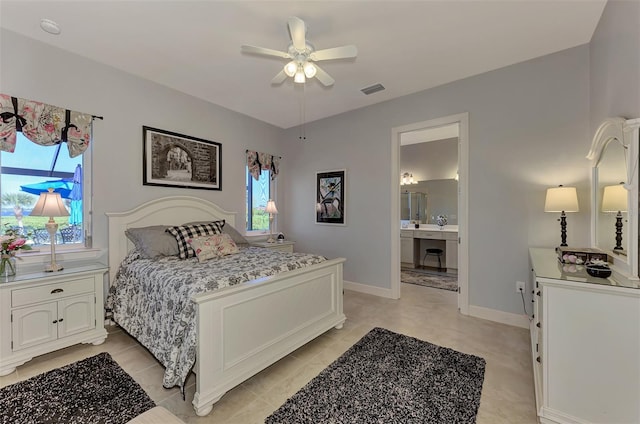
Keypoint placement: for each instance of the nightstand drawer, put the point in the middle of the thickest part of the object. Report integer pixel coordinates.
(54, 291)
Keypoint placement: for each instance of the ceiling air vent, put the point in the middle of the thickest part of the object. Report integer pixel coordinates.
(372, 89)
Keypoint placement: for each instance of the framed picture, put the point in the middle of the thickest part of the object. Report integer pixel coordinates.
(330, 206)
(176, 160)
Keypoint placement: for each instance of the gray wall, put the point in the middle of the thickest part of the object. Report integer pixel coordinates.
(529, 130)
(432, 160)
(36, 71)
(615, 63)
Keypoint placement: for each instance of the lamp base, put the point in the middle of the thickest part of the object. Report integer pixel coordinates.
(53, 268)
(271, 240)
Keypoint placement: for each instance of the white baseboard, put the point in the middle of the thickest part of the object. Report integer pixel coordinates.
(516, 320)
(495, 315)
(365, 288)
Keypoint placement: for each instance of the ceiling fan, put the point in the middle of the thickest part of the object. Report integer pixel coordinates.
(302, 54)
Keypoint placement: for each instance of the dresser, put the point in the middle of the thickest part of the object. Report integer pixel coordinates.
(45, 311)
(585, 342)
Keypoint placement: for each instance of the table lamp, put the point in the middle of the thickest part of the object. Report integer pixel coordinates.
(614, 199)
(50, 204)
(271, 210)
(562, 199)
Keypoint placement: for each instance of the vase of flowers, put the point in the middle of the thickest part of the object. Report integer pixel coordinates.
(10, 243)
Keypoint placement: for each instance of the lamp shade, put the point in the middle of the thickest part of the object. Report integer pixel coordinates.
(561, 199)
(614, 199)
(49, 204)
(271, 207)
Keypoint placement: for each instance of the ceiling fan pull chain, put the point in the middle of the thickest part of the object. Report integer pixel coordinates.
(303, 132)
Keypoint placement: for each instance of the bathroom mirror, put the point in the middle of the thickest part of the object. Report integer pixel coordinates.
(413, 206)
(614, 193)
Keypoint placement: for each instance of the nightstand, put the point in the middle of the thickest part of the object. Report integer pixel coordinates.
(45, 311)
(284, 246)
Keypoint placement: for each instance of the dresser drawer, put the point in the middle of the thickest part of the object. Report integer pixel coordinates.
(406, 233)
(48, 292)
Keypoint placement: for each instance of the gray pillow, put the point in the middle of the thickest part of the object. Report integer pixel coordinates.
(153, 241)
(235, 235)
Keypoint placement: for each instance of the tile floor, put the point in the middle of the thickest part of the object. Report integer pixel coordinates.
(422, 312)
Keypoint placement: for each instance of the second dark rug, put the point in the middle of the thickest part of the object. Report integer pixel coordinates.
(387, 377)
(94, 390)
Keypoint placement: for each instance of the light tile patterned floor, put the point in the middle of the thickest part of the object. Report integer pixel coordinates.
(422, 312)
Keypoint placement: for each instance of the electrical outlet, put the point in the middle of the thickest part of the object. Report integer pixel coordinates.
(520, 286)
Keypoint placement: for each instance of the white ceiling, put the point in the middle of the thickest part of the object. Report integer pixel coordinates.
(194, 46)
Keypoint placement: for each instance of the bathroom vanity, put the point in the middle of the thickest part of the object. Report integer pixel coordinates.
(414, 242)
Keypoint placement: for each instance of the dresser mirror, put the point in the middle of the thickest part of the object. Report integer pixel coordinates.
(614, 193)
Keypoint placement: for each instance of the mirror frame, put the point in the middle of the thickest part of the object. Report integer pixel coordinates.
(625, 131)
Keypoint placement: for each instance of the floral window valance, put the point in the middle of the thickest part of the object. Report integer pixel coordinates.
(43, 124)
(257, 162)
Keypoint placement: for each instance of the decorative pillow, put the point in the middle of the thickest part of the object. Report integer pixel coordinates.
(153, 241)
(209, 247)
(227, 229)
(182, 233)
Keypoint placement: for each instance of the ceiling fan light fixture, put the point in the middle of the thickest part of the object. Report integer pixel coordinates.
(291, 68)
(299, 77)
(309, 70)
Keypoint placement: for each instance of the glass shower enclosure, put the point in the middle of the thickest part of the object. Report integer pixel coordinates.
(413, 206)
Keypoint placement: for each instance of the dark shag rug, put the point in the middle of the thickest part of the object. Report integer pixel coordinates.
(94, 390)
(390, 378)
(438, 281)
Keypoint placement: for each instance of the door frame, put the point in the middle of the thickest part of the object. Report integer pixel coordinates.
(462, 119)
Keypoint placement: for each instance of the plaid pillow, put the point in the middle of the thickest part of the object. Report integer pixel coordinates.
(183, 233)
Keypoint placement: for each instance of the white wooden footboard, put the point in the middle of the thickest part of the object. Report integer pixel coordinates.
(246, 328)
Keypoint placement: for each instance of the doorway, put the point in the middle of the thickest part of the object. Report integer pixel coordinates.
(406, 132)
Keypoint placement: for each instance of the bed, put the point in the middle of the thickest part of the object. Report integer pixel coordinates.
(243, 328)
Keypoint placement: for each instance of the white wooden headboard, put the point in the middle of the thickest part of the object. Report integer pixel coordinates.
(172, 210)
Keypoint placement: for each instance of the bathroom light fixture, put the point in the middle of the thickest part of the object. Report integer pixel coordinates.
(562, 199)
(407, 178)
(614, 199)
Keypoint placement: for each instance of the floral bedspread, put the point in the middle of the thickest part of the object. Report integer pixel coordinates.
(151, 298)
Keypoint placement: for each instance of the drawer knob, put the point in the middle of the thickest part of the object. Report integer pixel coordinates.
(54, 322)
(538, 324)
(538, 359)
(54, 291)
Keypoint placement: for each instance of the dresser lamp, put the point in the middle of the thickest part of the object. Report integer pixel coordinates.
(271, 210)
(50, 204)
(562, 199)
(614, 199)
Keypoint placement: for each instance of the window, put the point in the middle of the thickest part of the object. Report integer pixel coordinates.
(32, 169)
(258, 193)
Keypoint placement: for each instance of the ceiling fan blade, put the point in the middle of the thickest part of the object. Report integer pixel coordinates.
(279, 79)
(342, 52)
(297, 32)
(323, 77)
(264, 51)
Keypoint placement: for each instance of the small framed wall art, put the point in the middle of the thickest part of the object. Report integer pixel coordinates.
(175, 160)
(330, 197)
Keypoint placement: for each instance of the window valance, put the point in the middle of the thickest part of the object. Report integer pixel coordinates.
(43, 124)
(257, 162)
